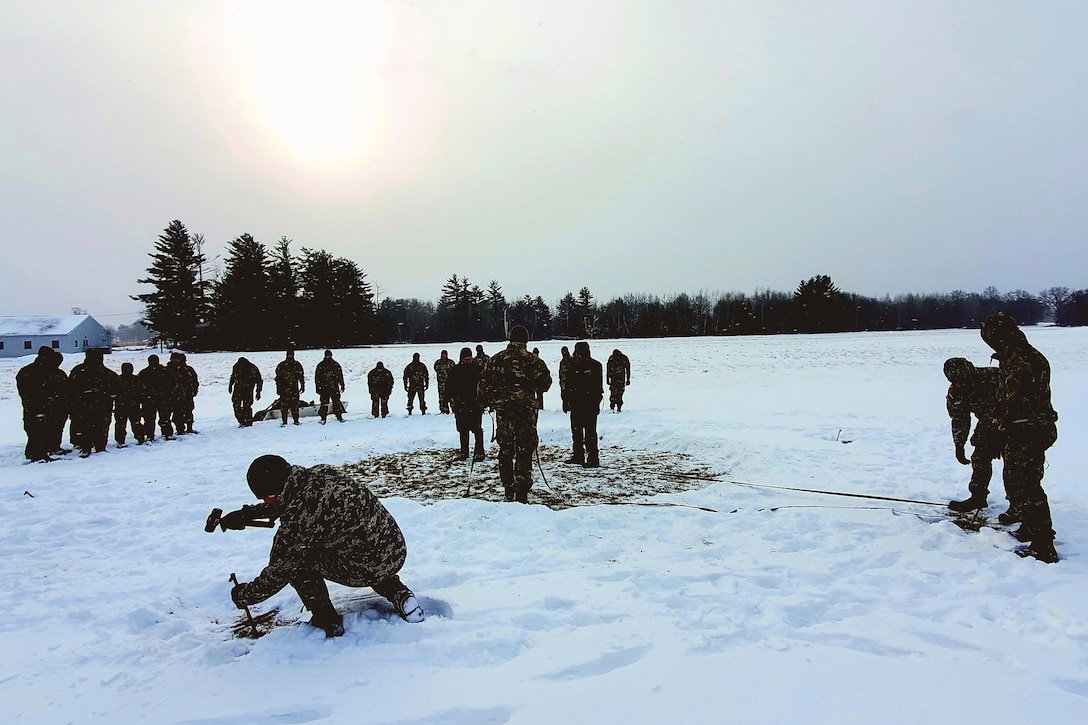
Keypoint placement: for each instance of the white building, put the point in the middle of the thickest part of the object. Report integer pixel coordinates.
(66, 334)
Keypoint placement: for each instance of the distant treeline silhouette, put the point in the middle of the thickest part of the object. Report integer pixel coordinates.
(271, 299)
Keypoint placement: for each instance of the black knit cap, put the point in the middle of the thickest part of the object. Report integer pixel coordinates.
(267, 475)
(519, 334)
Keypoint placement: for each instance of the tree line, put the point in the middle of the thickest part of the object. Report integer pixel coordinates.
(272, 298)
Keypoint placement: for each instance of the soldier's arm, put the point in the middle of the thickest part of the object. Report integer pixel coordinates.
(960, 414)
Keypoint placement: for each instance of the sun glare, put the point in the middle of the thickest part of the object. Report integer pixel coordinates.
(328, 89)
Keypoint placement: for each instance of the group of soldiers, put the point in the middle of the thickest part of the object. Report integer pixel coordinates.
(1015, 422)
(92, 396)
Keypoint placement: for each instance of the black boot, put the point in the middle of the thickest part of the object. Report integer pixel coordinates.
(1012, 516)
(463, 455)
(1042, 549)
(973, 503)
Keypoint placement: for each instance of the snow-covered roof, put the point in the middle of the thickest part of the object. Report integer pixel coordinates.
(30, 326)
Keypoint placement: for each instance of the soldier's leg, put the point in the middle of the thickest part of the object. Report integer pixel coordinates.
(619, 397)
(247, 412)
(34, 425)
(612, 397)
(239, 410)
(524, 447)
(120, 427)
(1023, 475)
(323, 411)
(165, 427)
(385, 406)
(283, 412)
(577, 434)
(504, 438)
(314, 594)
(337, 407)
(592, 455)
(402, 598)
(422, 402)
(478, 449)
(463, 435)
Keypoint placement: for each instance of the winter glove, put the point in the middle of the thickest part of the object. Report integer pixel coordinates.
(235, 520)
(238, 595)
(961, 455)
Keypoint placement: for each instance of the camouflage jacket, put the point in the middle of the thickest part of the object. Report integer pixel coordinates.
(290, 378)
(1023, 392)
(564, 367)
(57, 392)
(512, 379)
(619, 369)
(329, 526)
(442, 368)
(31, 382)
(130, 392)
(979, 396)
(584, 389)
(159, 384)
(185, 380)
(93, 387)
(244, 377)
(379, 381)
(328, 377)
(461, 387)
(416, 376)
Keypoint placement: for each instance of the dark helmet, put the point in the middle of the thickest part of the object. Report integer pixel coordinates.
(415, 357)
(126, 369)
(958, 369)
(1000, 330)
(267, 475)
(519, 334)
(44, 351)
(466, 353)
(581, 349)
(152, 360)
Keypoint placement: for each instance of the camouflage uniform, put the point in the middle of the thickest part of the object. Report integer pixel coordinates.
(619, 377)
(94, 387)
(461, 387)
(481, 356)
(379, 382)
(31, 382)
(564, 366)
(583, 397)
(974, 391)
(290, 384)
(329, 383)
(126, 408)
(57, 404)
(416, 380)
(1028, 423)
(442, 367)
(159, 384)
(245, 377)
(330, 527)
(186, 387)
(509, 383)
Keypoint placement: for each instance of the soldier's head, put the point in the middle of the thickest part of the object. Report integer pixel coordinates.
(44, 353)
(289, 355)
(152, 360)
(565, 351)
(581, 349)
(93, 355)
(519, 334)
(958, 370)
(536, 351)
(175, 357)
(242, 361)
(126, 368)
(466, 354)
(616, 352)
(328, 353)
(445, 355)
(415, 357)
(267, 475)
(1001, 332)
(379, 366)
(480, 349)
(55, 359)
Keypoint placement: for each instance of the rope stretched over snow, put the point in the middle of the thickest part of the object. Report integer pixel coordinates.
(670, 474)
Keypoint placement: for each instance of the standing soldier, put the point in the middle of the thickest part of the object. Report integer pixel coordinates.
(184, 391)
(379, 382)
(245, 379)
(481, 356)
(564, 366)
(57, 404)
(94, 387)
(190, 390)
(540, 395)
(290, 384)
(585, 392)
(461, 385)
(126, 409)
(1028, 425)
(973, 390)
(329, 383)
(31, 382)
(416, 380)
(619, 377)
(158, 396)
(509, 383)
(442, 367)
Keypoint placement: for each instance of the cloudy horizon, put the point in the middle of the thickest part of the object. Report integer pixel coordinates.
(655, 148)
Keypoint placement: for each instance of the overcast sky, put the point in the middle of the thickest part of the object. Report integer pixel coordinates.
(648, 147)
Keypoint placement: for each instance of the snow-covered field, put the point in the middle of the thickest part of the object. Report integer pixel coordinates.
(779, 606)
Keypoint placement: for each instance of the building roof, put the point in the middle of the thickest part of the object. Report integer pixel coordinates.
(35, 326)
